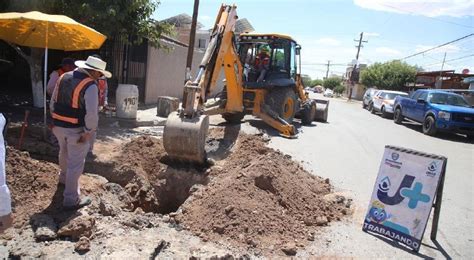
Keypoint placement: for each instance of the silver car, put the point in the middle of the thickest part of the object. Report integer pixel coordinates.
(368, 95)
(383, 102)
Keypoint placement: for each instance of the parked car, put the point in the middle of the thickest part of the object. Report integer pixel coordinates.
(436, 110)
(318, 89)
(368, 95)
(383, 102)
(328, 93)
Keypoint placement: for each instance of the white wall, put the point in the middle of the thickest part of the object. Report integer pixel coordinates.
(166, 71)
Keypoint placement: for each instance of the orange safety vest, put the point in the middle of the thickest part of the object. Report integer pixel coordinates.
(262, 60)
(69, 106)
(60, 71)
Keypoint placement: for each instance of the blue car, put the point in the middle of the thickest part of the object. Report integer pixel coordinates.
(436, 110)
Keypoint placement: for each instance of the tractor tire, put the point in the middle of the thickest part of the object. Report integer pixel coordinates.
(233, 118)
(284, 102)
(429, 126)
(308, 113)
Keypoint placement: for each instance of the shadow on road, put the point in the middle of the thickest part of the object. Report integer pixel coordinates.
(401, 247)
(439, 248)
(259, 124)
(440, 135)
(219, 148)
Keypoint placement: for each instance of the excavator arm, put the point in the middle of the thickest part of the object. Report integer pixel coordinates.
(185, 131)
(220, 54)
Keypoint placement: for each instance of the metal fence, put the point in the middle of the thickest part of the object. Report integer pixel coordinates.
(127, 64)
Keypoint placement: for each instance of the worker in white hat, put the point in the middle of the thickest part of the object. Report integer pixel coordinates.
(5, 199)
(74, 106)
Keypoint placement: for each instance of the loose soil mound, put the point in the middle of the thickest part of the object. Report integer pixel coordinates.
(32, 183)
(257, 197)
(253, 197)
(34, 187)
(260, 197)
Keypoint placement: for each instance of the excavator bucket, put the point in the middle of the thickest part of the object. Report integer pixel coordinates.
(184, 138)
(322, 107)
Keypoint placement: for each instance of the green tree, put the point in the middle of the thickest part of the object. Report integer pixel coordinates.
(129, 20)
(306, 80)
(317, 82)
(391, 75)
(332, 83)
(339, 89)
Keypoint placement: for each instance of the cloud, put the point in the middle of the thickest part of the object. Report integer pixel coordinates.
(448, 48)
(432, 8)
(328, 41)
(387, 51)
(372, 34)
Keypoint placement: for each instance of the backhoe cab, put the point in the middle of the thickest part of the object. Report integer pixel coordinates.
(271, 70)
(262, 79)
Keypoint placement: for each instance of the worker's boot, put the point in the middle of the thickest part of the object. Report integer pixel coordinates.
(84, 201)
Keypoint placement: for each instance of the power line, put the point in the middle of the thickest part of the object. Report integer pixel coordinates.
(323, 64)
(437, 47)
(434, 18)
(455, 59)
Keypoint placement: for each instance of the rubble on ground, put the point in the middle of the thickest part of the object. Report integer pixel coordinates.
(254, 199)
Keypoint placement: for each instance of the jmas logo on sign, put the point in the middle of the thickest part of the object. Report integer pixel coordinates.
(432, 168)
(394, 163)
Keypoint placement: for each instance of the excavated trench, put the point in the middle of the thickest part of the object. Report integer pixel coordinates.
(174, 186)
(157, 184)
(140, 166)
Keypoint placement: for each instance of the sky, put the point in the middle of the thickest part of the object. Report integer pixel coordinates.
(326, 29)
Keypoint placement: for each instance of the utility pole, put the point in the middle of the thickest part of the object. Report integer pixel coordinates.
(355, 65)
(441, 72)
(327, 71)
(192, 36)
(359, 45)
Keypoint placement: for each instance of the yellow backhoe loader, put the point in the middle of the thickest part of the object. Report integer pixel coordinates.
(262, 79)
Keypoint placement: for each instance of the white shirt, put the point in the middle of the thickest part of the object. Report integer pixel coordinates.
(5, 199)
(53, 78)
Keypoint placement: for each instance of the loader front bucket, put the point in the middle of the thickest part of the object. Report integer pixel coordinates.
(322, 110)
(184, 138)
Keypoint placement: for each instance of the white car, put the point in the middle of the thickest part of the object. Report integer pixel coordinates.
(383, 102)
(328, 93)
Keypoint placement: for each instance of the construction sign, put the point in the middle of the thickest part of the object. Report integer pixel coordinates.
(403, 196)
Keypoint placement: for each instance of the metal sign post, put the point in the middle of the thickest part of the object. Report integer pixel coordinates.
(437, 204)
(409, 184)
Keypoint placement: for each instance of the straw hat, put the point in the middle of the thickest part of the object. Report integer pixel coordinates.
(94, 63)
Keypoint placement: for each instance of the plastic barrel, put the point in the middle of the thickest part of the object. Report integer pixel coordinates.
(126, 100)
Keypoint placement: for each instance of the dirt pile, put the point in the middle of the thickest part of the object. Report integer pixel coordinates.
(37, 196)
(253, 197)
(256, 197)
(261, 198)
(32, 183)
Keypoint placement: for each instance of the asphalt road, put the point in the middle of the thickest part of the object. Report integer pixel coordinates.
(348, 150)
